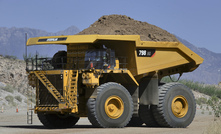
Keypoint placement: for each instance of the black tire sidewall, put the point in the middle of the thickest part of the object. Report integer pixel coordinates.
(103, 118)
(171, 119)
(54, 121)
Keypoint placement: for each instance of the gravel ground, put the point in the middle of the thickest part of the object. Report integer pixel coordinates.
(15, 123)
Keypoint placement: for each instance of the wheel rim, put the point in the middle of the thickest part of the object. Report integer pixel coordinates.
(179, 106)
(114, 107)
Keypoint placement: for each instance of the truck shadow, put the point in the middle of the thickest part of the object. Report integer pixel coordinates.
(42, 127)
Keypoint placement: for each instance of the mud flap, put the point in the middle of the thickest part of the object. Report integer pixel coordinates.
(148, 90)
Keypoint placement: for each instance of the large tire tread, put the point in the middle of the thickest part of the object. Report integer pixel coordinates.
(91, 112)
(158, 111)
(54, 122)
(91, 104)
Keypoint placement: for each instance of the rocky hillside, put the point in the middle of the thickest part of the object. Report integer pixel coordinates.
(13, 82)
(12, 72)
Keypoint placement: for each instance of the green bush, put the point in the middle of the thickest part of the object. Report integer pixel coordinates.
(32, 100)
(203, 112)
(9, 88)
(9, 98)
(215, 104)
(11, 57)
(18, 98)
(201, 101)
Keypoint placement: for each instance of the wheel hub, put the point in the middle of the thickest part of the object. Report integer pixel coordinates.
(114, 107)
(179, 106)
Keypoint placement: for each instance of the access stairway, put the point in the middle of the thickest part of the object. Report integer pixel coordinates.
(70, 95)
(71, 89)
(41, 76)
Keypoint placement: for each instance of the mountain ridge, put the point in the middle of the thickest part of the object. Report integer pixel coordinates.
(12, 40)
(207, 72)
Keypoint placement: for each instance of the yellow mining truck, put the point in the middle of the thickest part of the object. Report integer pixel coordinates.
(114, 80)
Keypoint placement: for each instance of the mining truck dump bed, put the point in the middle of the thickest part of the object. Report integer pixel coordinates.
(142, 56)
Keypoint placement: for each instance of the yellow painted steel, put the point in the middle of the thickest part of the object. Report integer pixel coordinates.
(179, 106)
(90, 79)
(168, 54)
(78, 39)
(70, 80)
(49, 72)
(114, 107)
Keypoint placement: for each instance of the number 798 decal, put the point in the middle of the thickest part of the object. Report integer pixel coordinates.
(145, 52)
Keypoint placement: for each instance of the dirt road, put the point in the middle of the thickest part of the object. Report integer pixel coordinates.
(15, 123)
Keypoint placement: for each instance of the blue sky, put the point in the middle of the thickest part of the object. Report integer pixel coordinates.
(197, 21)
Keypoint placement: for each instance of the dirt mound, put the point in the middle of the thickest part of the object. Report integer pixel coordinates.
(124, 25)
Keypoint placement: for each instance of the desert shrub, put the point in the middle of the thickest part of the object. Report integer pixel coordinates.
(202, 112)
(9, 98)
(10, 57)
(201, 101)
(201, 107)
(215, 104)
(18, 98)
(32, 100)
(9, 88)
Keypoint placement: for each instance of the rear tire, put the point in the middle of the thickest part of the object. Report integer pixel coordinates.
(176, 107)
(57, 121)
(113, 107)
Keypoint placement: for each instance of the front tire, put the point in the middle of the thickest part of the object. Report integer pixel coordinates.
(176, 107)
(57, 121)
(113, 107)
